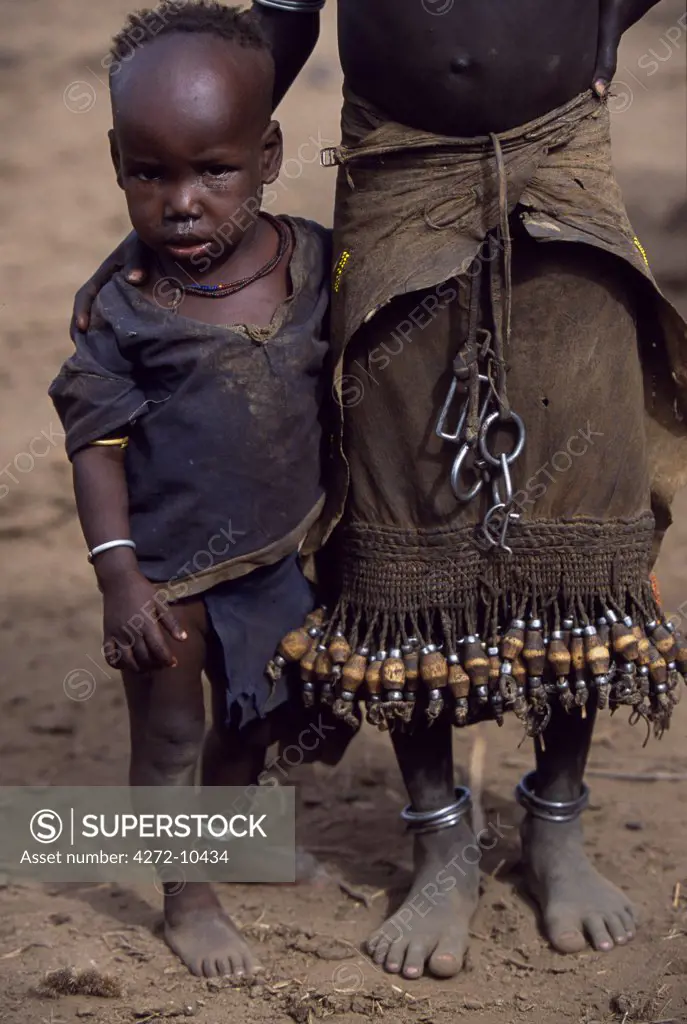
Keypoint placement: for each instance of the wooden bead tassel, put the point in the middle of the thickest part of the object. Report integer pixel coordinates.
(476, 665)
(339, 649)
(560, 661)
(581, 695)
(459, 685)
(514, 640)
(434, 674)
(393, 681)
(352, 678)
(664, 641)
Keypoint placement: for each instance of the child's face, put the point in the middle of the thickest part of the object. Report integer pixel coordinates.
(193, 146)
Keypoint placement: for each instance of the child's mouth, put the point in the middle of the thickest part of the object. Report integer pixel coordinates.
(187, 248)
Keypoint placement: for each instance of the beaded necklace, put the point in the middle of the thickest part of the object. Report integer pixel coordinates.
(220, 291)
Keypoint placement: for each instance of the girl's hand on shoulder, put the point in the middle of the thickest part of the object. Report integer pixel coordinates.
(138, 624)
(130, 256)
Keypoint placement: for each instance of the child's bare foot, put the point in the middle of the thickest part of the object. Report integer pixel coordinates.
(430, 930)
(203, 937)
(578, 906)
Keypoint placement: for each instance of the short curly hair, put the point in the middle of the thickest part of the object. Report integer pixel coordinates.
(192, 16)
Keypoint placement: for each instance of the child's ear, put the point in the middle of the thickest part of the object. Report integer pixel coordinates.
(114, 153)
(272, 152)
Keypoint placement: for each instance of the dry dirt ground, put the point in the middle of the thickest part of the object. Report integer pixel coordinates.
(60, 213)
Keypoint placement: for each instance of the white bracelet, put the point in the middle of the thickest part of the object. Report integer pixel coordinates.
(99, 548)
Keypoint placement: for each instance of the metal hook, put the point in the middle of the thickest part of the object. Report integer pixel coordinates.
(470, 493)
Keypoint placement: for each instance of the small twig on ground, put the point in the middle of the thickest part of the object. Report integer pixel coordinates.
(498, 867)
(676, 896)
(355, 894)
(23, 949)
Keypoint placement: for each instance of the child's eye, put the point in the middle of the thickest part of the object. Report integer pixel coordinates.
(148, 175)
(217, 170)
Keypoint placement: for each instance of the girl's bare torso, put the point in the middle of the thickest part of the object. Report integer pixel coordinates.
(468, 67)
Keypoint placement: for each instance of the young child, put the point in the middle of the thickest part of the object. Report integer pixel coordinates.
(192, 417)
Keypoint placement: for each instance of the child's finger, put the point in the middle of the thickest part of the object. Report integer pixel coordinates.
(124, 659)
(159, 654)
(83, 302)
(172, 625)
(136, 268)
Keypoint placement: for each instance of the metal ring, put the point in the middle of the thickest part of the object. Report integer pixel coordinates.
(418, 819)
(492, 418)
(549, 810)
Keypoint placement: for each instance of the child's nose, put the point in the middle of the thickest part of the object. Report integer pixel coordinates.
(182, 203)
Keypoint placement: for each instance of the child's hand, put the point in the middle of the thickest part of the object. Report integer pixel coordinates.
(136, 623)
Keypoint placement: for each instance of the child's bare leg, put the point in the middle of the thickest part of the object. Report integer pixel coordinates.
(431, 928)
(167, 727)
(237, 757)
(578, 905)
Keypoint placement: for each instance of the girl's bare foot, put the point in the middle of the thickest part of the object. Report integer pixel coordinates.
(579, 907)
(430, 931)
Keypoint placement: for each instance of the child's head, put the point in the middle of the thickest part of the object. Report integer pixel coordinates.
(193, 141)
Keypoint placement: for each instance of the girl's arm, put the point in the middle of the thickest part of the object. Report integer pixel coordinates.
(616, 17)
(292, 35)
(133, 611)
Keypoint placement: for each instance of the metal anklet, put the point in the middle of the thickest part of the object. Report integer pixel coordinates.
(549, 810)
(420, 822)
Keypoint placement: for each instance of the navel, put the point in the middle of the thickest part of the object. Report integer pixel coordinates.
(461, 63)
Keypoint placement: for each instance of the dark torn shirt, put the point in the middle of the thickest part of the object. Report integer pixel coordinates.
(224, 458)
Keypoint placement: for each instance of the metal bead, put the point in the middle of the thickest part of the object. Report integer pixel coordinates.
(493, 652)
(610, 616)
(628, 621)
(518, 624)
(406, 648)
(482, 694)
(278, 660)
(395, 652)
(381, 656)
(308, 687)
(557, 634)
(568, 623)
(364, 651)
(348, 696)
(394, 695)
(435, 695)
(314, 631)
(577, 631)
(587, 631)
(651, 626)
(453, 659)
(535, 624)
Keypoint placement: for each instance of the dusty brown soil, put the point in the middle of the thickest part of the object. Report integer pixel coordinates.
(61, 212)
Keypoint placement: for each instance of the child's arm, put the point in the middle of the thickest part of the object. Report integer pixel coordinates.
(133, 638)
(616, 17)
